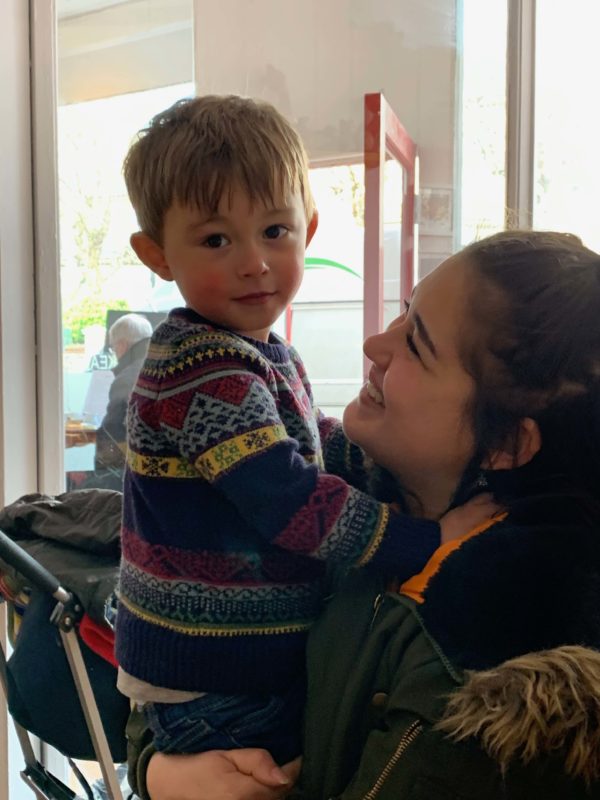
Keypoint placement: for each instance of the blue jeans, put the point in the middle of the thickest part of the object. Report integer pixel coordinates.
(225, 722)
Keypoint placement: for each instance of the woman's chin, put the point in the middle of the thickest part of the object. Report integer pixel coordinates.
(351, 421)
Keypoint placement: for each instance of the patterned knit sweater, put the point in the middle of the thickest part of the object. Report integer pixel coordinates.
(229, 518)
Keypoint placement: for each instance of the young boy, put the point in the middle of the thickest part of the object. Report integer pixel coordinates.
(228, 515)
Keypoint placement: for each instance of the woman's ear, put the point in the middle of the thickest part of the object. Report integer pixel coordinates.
(520, 449)
(151, 254)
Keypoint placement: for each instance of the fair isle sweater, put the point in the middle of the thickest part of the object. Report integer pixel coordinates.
(229, 519)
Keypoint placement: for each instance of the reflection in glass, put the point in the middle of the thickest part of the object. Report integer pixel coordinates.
(100, 275)
(327, 312)
(393, 183)
(110, 84)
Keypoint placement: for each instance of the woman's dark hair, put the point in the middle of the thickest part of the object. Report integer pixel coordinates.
(535, 299)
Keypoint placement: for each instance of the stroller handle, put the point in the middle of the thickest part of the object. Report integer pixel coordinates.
(22, 562)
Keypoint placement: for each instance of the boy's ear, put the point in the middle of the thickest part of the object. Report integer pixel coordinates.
(312, 226)
(520, 450)
(151, 254)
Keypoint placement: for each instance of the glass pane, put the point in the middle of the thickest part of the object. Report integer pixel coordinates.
(567, 122)
(327, 311)
(410, 51)
(111, 83)
(104, 99)
(483, 111)
(393, 188)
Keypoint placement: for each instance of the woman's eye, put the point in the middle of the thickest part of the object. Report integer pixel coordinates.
(275, 231)
(215, 240)
(410, 343)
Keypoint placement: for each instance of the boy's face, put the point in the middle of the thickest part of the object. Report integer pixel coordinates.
(240, 267)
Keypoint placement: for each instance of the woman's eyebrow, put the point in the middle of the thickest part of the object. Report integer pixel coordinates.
(424, 335)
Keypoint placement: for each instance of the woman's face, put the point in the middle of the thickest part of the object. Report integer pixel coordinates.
(411, 416)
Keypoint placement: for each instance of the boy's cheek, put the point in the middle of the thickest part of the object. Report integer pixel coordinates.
(214, 283)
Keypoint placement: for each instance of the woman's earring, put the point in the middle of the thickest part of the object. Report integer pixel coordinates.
(481, 481)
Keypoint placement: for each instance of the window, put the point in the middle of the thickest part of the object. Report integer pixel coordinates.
(101, 277)
(482, 145)
(567, 120)
(110, 84)
(441, 65)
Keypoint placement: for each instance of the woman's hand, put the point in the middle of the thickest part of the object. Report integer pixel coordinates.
(248, 774)
(463, 519)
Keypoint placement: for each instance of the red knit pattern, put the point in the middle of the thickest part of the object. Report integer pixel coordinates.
(306, 530)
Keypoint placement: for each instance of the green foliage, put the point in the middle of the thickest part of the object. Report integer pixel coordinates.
(90, 311)
(88, 300)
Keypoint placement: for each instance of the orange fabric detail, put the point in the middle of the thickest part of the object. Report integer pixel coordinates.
(415, 587)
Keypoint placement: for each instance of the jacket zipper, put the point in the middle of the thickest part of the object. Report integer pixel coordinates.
(376, 606)
(407, 739)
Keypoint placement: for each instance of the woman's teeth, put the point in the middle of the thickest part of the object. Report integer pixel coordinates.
(374, 394)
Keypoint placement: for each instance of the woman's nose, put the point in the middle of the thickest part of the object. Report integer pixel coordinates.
(376, 349)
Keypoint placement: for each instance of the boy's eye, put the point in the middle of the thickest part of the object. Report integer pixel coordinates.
(215, 240)
(275, 231)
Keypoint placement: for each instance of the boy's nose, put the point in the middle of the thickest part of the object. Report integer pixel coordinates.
(253, 263)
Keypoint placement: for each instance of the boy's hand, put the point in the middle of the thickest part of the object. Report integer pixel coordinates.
(464, 518)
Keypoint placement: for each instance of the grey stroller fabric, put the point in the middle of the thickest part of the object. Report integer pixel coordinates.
(75, 535)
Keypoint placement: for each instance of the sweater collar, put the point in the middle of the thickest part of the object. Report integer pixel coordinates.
(275, 350)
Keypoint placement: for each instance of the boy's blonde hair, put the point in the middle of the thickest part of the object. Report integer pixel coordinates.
(200, 147)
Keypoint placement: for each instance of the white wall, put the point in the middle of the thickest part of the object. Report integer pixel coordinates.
(17, 363)
(17, 306)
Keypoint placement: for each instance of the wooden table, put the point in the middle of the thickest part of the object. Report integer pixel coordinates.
(78, 434)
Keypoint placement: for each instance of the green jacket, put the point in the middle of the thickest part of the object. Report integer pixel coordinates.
(487, 690)
(376, 697)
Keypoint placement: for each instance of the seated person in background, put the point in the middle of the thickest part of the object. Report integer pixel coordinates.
(128, 337)
(228, 516)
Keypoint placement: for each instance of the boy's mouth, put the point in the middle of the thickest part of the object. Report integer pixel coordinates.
(255, 298)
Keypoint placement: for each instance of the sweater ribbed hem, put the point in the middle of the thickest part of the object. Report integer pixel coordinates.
(251, 664)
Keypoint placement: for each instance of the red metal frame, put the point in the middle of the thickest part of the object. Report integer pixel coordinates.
(385, 135)
(288, 323)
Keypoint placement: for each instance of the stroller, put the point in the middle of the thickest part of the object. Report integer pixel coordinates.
(57, 687)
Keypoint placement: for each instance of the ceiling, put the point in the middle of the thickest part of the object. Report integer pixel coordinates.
(74, 8)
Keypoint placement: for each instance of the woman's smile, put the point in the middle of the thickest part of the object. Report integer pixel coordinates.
(374, 393)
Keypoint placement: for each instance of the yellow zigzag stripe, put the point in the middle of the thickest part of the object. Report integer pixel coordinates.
(212, 463)
(195, 629)
(377, 536)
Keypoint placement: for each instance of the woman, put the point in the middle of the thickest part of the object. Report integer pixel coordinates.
(480, 677)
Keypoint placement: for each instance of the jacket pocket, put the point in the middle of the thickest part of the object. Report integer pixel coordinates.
(430, 789)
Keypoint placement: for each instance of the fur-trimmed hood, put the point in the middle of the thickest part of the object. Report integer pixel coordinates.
(541, 703)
